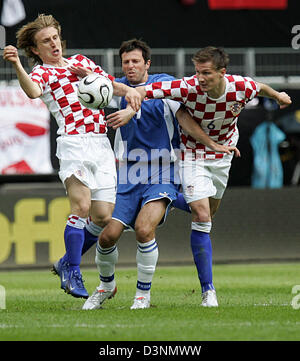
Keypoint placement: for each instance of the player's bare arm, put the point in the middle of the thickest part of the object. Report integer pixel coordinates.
(130, 94)
(32, 89)
(120, 118)
(190, 126)
(282, 98)
(141, 90)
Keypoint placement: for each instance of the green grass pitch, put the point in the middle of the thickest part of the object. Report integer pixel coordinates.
(254, 304)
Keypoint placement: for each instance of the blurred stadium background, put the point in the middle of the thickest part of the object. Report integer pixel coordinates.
(254, 223)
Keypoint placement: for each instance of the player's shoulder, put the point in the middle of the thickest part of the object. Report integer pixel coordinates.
(79, 58)
(240, 83)
(153, 78)
(122, 80)
(235, 78)
(39, 69)
(191, 80)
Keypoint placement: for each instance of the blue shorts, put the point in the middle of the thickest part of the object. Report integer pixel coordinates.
(129, 204)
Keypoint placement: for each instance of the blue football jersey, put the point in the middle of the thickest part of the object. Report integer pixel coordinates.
(147, 147)
(154, 128)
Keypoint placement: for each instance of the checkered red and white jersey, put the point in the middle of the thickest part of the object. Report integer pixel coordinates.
(59, 93)
(217, 117)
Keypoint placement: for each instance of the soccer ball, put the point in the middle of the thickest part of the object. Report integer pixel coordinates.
(95, 91)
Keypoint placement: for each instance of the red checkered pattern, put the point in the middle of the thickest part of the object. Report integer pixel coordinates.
(59, 87)
(217, 117)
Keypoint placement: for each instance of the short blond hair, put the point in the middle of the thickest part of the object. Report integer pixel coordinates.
(26, 35)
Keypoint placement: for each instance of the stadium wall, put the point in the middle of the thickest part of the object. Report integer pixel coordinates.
(168, 23)
(250, 226)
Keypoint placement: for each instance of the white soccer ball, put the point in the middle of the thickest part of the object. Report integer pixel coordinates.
(95, 91)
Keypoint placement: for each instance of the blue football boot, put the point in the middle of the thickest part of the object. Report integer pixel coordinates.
(61, 269)
(74, 285)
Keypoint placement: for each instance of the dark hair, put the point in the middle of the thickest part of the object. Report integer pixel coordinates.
(217, 56)
(133, 44)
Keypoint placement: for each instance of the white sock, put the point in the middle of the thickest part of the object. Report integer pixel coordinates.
(106, 259)
(92, 227)
(146, 259)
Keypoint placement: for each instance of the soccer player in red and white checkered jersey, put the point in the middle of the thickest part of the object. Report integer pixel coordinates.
(87, 163)
(215, 100)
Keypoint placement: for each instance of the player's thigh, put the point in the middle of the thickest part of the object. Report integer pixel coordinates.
(149, 217)
(196, 178)
(101, 212)
(214, 205)
(111, 233)
(79, 196)
(220, 174)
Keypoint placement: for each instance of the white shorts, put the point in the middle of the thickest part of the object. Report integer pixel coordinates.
(204, 178)
(91, 160)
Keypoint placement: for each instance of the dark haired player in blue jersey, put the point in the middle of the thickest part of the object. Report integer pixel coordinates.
(147, 176)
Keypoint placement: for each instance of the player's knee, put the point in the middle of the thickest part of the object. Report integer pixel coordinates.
(144, 233)
(102, 220)
(82, 209)
(201, 215)
(108, 237)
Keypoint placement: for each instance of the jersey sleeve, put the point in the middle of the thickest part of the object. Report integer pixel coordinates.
(252, 88)
(173, 89)
(39, 76)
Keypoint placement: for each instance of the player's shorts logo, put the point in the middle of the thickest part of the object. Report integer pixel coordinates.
(190, 190)
(236, 108)
(79, 173)
(164, 194)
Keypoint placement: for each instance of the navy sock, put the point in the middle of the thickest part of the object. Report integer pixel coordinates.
(74, 238)
(89, 241)
(202, 252)
(180, 203)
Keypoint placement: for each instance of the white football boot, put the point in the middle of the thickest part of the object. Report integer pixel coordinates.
(140, 302)
(209, 299)
(96, 300)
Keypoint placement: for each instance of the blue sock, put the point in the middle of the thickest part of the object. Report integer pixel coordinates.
(180, 203)
(89, 241)
(202, 252)
(74, 238)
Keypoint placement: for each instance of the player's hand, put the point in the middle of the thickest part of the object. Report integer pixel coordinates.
(133, 98)
(226, 149)
(120, 118)
(80, 71)
(283, 100)
(10, 53)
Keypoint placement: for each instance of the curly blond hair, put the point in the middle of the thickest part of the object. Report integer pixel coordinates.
(26, 35)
